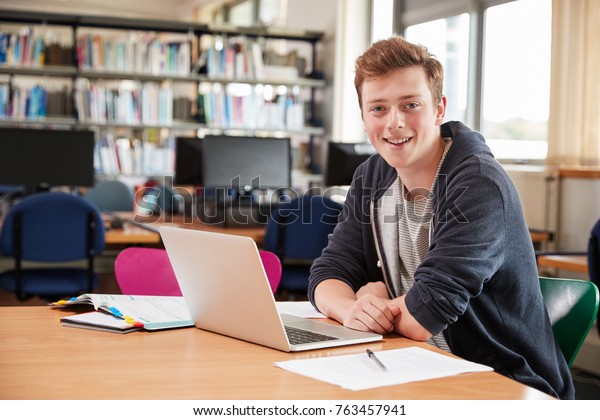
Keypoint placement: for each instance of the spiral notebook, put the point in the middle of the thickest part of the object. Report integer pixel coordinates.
(99, 321)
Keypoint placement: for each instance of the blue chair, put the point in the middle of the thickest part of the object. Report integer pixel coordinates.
(111, 195)
(297, 232)
(11, 189)
(51, 228)
(593, 255)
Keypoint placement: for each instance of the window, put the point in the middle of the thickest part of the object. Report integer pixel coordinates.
(448, 40)
(501, 89)
(381, 19)
(242, 13)
(516, 79)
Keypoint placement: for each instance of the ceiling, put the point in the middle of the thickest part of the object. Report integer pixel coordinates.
(158, 9)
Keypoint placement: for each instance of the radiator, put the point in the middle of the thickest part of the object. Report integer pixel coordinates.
(538, 189)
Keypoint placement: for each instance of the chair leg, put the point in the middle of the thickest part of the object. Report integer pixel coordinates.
(91, 251)
(17, 252)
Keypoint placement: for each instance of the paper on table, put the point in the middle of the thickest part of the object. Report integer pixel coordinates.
(358, 372)
(303, 309)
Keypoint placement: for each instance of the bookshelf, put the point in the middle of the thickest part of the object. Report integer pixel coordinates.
(148, 81)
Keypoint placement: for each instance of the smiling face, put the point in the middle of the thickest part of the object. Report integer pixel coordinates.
(402, 122)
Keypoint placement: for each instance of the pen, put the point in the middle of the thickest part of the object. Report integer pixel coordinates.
(376, 360)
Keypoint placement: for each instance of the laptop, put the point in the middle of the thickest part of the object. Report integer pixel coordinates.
(226, 290)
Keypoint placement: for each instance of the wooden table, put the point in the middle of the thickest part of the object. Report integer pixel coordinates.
(39, 359)
(133, 234)
(539, 237)
(577, 263)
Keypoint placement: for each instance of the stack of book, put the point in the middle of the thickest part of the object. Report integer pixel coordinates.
(133, 53)
(132, 156)
(242, 58)
(34, 102)
(25, 48)
(255, 107)
(126, 102)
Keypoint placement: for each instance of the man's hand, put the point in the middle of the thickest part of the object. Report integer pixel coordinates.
(371, 313)
(376, 288)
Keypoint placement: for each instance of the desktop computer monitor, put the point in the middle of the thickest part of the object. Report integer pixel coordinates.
(188, 161)
(41, 158)
(343, 159)
(246, 163)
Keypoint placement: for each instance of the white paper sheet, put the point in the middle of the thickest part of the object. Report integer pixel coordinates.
(303, 309)
(358, 372)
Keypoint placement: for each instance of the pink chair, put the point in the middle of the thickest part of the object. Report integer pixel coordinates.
(272, 266)
(148, 271)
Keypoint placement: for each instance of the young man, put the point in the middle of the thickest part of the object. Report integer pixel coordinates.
(432, 242)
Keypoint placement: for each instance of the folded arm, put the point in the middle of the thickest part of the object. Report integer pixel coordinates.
(366, 312)
(369, 309)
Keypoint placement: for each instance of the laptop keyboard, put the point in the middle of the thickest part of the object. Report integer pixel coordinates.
(299, 336)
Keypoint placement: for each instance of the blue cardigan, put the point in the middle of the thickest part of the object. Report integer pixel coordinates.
(478, 283)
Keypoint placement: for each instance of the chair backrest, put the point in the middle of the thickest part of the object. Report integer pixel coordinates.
(593, 256)
(53, 227)
(272, 266)
(145, 271)
(148, 271)
(300, 229)
(572, 306)
(158, 198)
(111, 195)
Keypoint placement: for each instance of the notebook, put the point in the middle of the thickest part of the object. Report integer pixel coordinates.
(226, 291)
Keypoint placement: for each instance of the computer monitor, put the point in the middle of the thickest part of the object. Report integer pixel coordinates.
(188, 161)
(246, 163)
(41, 158)
(343, 159)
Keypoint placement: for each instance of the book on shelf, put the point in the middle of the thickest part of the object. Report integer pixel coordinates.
(58, 55)
(4, 100)
(233, 58)
(147, 312)
(26, 102)
(25, 48)
(133, 53)
(134, 156)
(123, 102)
(4, 41)
(219, 108)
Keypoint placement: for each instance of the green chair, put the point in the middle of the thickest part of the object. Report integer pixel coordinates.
(572, 306)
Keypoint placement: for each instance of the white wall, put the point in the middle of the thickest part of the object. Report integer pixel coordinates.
(353, 38)
(579, 210)
(569, 207)
(538, 190)
(347, 35)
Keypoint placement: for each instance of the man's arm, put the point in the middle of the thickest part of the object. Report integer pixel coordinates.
(369, 312)
(405, 324)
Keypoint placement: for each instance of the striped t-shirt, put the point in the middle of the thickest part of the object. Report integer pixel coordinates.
(412, 236)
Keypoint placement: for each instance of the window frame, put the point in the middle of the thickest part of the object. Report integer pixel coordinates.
(413, 12)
